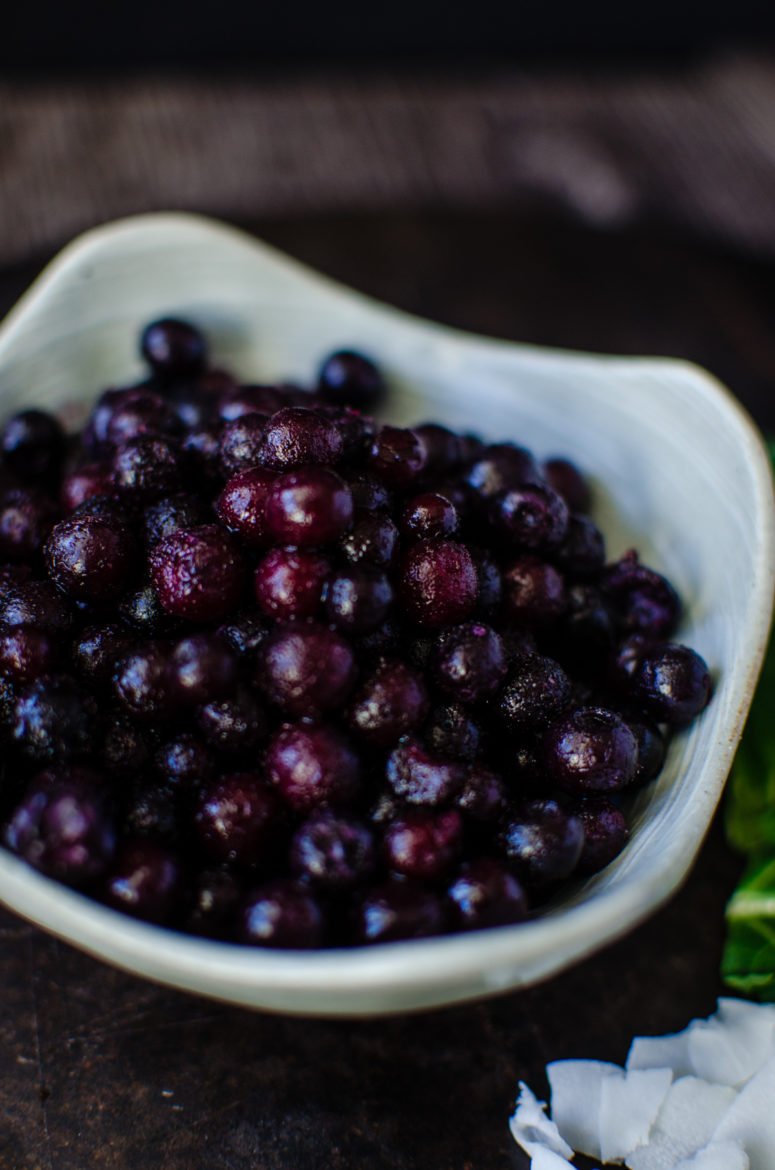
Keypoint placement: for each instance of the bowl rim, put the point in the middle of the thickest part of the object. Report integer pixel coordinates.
(443, 963)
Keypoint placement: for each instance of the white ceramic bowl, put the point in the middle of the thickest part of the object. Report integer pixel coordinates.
(681, 474)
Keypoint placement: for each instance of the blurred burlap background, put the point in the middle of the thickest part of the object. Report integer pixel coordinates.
(692, 146)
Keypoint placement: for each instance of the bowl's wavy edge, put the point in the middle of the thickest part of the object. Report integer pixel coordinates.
(444, 963)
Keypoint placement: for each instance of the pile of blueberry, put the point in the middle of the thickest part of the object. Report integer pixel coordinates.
(273, 672)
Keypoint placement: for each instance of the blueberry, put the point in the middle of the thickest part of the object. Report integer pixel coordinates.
(32, 444)
(198, 573)
(424, 843)
(312, 766)
(235, 818)
(469, 662)
(485, 894)
(297, 437)
(591, 750)
(388, 704)
(358, 600)
(145, 880)
(333, 852)
(397, 457)
(605, 833)
(348, 378)
(289, 583)
(90, 559)
(281, 914)
(311, 506)
(173, 348)
(54, 721)
(438, 583)
(306, 669)
(417, 777)
(397, 910)
(543, 842)
(673, 683)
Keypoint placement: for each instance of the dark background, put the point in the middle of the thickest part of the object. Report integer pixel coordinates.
(97, 35)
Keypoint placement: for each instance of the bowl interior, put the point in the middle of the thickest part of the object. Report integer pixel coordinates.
(679, 473)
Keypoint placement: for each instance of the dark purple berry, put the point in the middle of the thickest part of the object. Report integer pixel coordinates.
(372, 541)
(582, 552)
(241, 505)
(139, 413)
(424, 844)
(146, 469)
(438, 583)
(652, 748)
(531, 516)
(591, 750)
(245, 633)
(145, 880)
(151, 809)
(53, 721)
(234, 726)
(388, 704)
(198, 573)
(90, 559)
(534, 591)
(32, 444)
(672, 683)
(483, 796)
(442, 446)
(200, 453)
(566, 479)
(125, 748)
(358, 599)
(305, 669)
(63, 826)
(332, 852)
(202, 668)
(173, 348)
(469, 662)
(289, 583)
(490, 592)
(350, 379)
(90, 482)
(215, 900)
(428, 516)
(38, 604)
(485, 894)
(280, 914)
(242, 443)
(26, 653)
(536, 692)
(312, 506)
(312, 766)
(605, 833)
(26, 519)
(417, 777)
(543, 842)
(298, 437)
(644, 601)
(235, 818)
(397, 910)
(167, 516)
(237, 401)
(143, 685)
(369, 493)
(397, 457)
(183, 762)
(451, 733)
(499, 468)
(141, 610)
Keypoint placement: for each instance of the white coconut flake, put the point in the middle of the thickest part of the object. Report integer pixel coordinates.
(751, 1119)
(732, 1045)
(532, 1129)
(576, 1089)
(685, 1123)
(717, 1156)
(661, 1052)
(629, 1106)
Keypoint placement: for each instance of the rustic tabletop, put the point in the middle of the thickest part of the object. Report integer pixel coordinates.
(99, 1069)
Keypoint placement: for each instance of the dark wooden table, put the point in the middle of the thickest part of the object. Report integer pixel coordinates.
(100, 1070)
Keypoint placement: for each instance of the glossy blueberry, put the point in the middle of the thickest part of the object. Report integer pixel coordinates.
(485, 894)
(644, 600)
(140, 412)
(590, 750)
(241, 506)
(289, 583)
(169, 515)
(652, 748)
(26, 518)
(358, 600)
(390, 702)
(245, 633)
(424, 843)
(542, 842)
(351, 379)
(333, 852)
(530, 516)
(90, 482)
(142, 613)
(537, 690)
(442, 446)
(606, 832)
(32, 444)
(468, 662)
(534, 591)
(234, 818)
(582, 552)
(142, 683)
(397, 457)
(90, 559)
(417, 777)
(564, 477)
(672, 683)
(202, 668)
(297, 437)
(281, 914)
(438, 583)
(145, 880)
(53, 721)
(198, 573)
(397, 910)
(173, 348)
(305, 669)
(429, 515)
(311, 506)
(241, 443)
(372, 541)
(483, 795)
(312, 766)
(499, 468)
(146, 469)
(63, 826)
